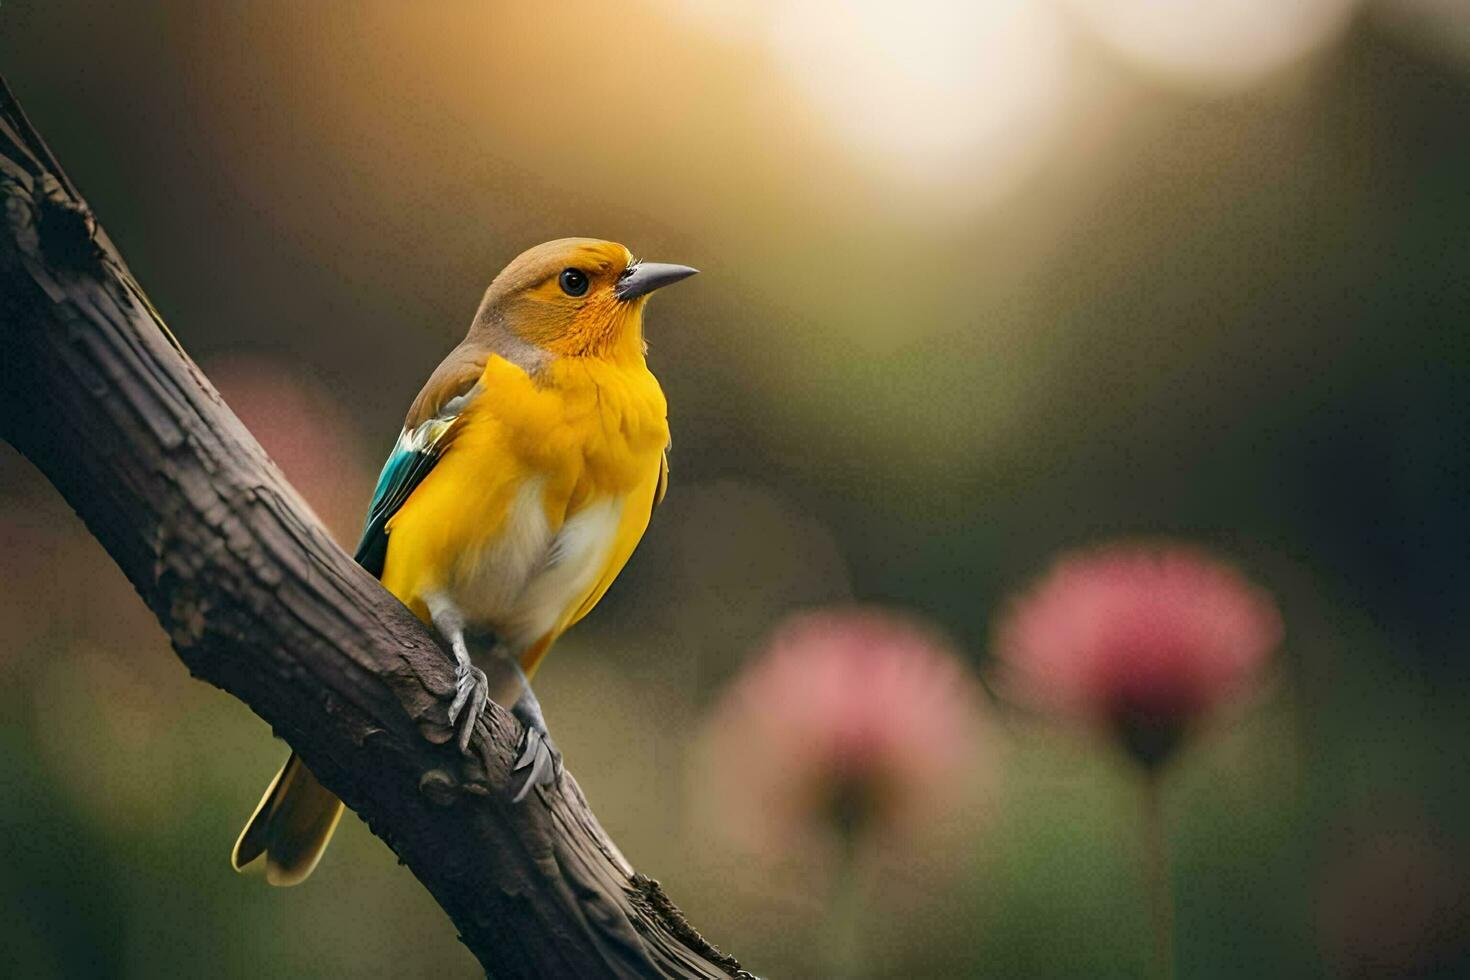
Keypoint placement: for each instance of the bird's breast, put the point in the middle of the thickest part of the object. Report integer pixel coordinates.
(547, 474)
(527, 579)
(613, 420)
(495, 564)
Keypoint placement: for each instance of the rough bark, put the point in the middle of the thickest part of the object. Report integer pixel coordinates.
(259, 602)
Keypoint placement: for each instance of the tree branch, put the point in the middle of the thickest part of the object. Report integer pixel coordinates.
(259, 602)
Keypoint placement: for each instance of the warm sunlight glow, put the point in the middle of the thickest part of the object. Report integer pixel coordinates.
(932, 89)
(955, 100)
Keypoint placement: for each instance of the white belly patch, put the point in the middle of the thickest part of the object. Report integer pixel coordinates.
(527, 581)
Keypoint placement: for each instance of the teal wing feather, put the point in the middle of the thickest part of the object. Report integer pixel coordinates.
(404, 470)
(426, 435)
(412, 459)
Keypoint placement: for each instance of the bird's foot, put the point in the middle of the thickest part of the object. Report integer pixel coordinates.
(471, 692)
(539, 754)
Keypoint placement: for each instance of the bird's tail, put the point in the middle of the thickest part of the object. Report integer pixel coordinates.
(291, 827)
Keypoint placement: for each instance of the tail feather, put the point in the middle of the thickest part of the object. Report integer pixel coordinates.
(291, 827)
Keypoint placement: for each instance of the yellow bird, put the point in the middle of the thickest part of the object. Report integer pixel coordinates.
(526, 473)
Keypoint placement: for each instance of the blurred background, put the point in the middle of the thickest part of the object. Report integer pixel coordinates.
(982, 282)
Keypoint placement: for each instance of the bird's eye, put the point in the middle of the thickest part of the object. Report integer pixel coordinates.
(574, 282)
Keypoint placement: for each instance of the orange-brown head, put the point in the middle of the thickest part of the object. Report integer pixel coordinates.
(575, 297)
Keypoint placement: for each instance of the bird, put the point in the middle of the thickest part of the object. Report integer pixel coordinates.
(526, 473)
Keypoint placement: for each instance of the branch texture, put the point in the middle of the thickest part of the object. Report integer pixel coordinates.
(259, 602)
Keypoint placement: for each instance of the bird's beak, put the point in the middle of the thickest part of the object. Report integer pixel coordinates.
(645, 277)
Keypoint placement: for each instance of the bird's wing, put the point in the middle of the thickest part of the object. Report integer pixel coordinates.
(427, 433)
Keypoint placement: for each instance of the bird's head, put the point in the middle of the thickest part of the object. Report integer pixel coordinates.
(575, 297)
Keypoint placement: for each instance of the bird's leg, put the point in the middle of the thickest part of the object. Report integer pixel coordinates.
(471, 689)
(538, 751)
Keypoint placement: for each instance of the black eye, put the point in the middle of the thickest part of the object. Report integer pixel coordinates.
(574, 282)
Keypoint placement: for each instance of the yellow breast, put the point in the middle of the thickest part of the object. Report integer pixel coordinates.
(539, 499)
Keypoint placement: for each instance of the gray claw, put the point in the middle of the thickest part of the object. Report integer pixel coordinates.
(472, 691)
(544, 759)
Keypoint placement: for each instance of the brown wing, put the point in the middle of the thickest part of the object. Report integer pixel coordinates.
(455, 376)
(427, 432)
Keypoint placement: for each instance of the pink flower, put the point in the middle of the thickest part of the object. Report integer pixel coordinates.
(1142, 640)
(855, 720)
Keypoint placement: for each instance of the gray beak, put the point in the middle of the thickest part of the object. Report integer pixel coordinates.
(645, 277)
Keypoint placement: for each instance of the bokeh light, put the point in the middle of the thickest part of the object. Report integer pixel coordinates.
(956, 99)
